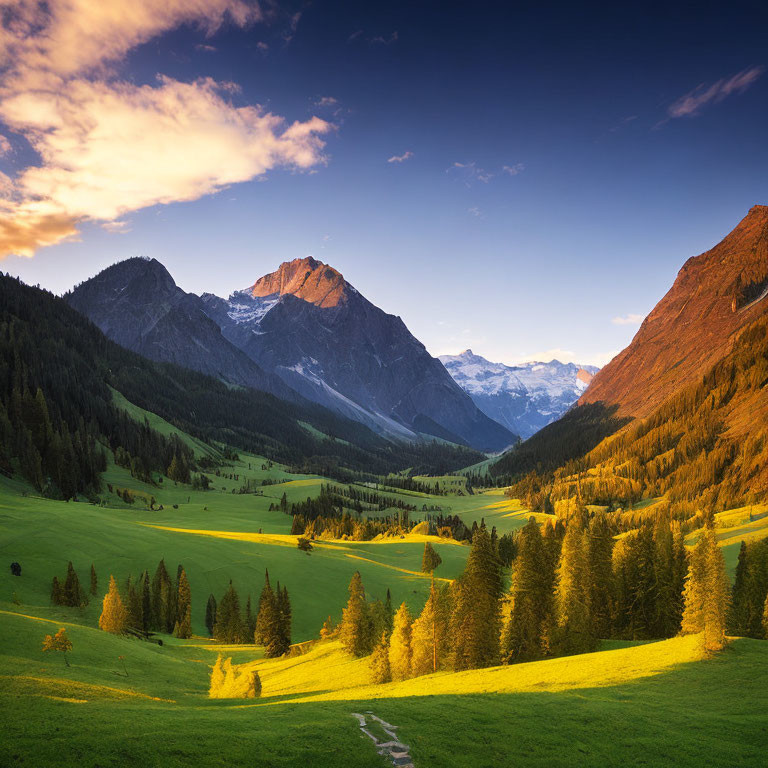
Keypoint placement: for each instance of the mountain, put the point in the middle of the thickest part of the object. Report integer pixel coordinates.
(137, 304)
(681, 413)
(58, 410)
(714, 296)
(312, 328)
(524, 398)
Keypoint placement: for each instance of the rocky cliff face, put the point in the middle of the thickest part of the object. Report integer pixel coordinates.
(714, 296)
(524, 398)
(137, 304)
(328, 342)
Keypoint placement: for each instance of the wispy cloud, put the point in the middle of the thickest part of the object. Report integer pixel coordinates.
(630, 319)
(357, 33)
(475, 212)
(513, 170)
(326, 101)
(5, 145)
(206, 48)
(470, 172)
(385, 40)
(293, 25)
(401, 158)
(106, 146)
(116, 227)
(262, 47)
(692, 103)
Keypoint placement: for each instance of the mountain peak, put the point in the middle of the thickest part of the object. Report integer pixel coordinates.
(307, 279)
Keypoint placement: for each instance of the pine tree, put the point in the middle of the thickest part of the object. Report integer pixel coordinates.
(600, 576)
(716, 595)
(250, 620)
(146, 602)
(285, 619)
(531, 598)
(113, 614)
(431, 559)
(183, 628)
(400, 653)
(477, 616)
(429, 635)
(183, 606)
(132, 603)
(695, 584)
(267, 596)
(380, 669)
(355, 632)
(162, 617)
(73, 592)
(94, 581)
(210, 614)
(229, 623)
(738, 614)
(573, 632)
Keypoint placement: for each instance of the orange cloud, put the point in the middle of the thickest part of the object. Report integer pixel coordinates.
(109, 147)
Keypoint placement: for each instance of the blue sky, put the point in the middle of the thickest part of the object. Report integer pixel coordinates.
(522, 179)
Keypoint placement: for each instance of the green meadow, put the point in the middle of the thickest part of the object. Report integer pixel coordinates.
(659, 703)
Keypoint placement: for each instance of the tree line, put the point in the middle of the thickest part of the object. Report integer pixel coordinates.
(571, 586)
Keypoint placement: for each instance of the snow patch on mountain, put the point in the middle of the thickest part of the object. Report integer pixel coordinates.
(524, 397)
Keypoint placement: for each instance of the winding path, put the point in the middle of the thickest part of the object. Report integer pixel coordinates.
(395, 750)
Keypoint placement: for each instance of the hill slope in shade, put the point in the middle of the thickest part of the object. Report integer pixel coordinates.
(312, 328)
(137, 304)
(714, 296)
(524, 398)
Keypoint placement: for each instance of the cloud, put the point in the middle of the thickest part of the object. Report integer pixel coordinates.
(119, 227)
(470, 172)
(401, 158)
(630, 319)
(513, 170)
(5, 145)
(293, 25)
(262, 47)
(357, 33)
(476, 212)
(326, 101)
(109, 147)
(206, 48)
(564, 356)
(381, 40)
(692, 103)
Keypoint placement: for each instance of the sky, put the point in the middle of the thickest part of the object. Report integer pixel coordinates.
(522, 179)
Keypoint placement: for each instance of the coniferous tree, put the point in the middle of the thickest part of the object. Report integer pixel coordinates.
(73, 592)
(266, 599)
(531, 598)
(250, 620)
(229, 623)
(429, 635)
(113, 617)
(380, 668)
(132, 604)
(476, 622)
(738, 613)
(574, 632)
(695, 584)
(600, 551)
(356, 629)
(162, 617)
(146, 602)
(94, 581)
(431, 559)
(400, 653)
(183, 606)
(716, 595)
(666, 619)
(210, 614)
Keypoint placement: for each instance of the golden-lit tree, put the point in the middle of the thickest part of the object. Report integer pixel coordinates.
(429, 636)
(380, 669)
(58, 642)
(113, 617)
(400, 655)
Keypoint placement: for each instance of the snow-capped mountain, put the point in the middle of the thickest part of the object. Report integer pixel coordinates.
(524, 398)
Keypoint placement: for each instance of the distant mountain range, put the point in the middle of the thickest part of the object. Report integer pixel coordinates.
(302, 332)
(524, 398)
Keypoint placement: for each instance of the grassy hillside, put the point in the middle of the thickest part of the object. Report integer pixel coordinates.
(659, 702)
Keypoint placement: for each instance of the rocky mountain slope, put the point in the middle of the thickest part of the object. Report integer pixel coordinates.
(524, 398)
(137, 304)
(714, 296)
(312, 328)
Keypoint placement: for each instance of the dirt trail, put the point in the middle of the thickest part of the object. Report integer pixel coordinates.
(395, 750)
